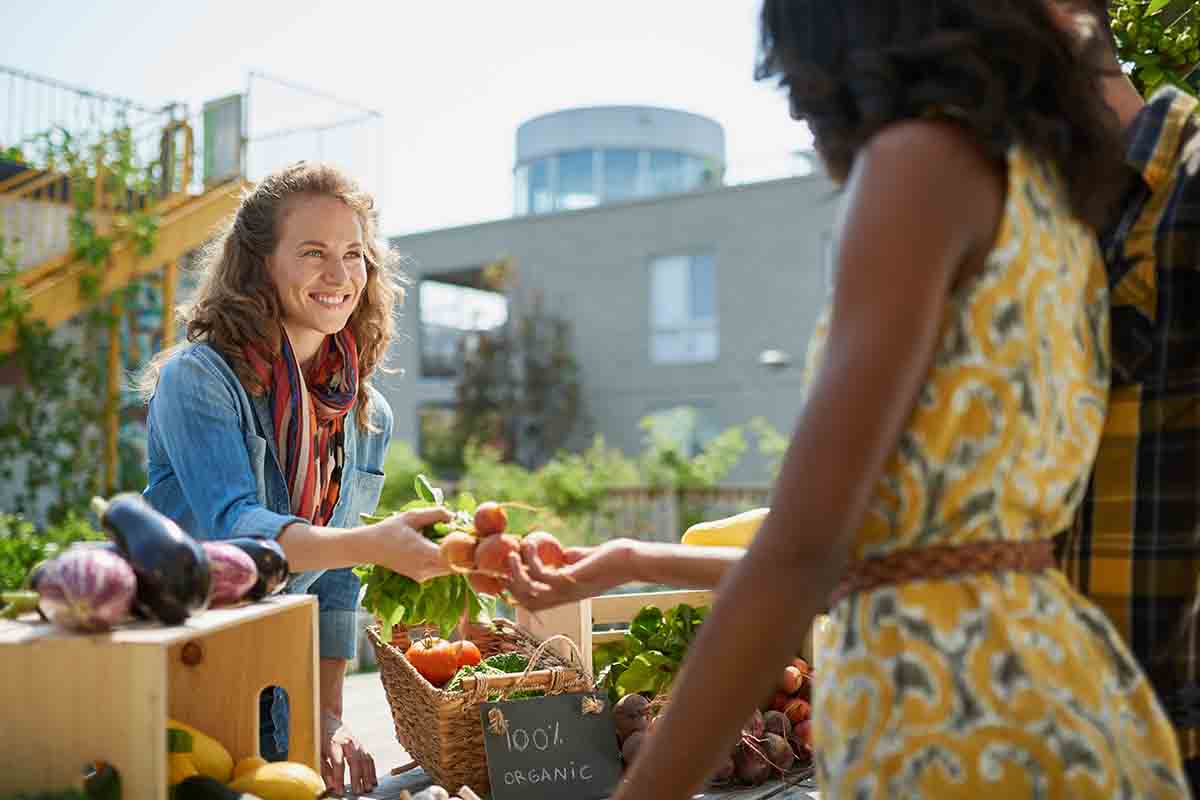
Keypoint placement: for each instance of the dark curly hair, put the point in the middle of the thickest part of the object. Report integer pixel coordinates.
(1000, 67)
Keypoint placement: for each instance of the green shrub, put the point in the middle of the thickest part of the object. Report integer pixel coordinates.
(23, 546)
(402, 465)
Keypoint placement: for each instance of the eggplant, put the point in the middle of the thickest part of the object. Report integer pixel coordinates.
(172, 569)
(232, 573)
(86, 589)
(271, 562)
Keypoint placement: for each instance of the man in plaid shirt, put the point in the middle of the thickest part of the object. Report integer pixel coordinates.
(1135, 549)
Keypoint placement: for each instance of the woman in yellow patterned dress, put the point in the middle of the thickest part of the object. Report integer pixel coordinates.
(954, 412)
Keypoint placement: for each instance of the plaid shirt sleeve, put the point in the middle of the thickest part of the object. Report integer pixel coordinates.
(1135, 547)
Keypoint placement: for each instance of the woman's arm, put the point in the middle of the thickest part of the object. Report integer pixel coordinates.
(195, 417)
(591, 571)
(919, 200)
(396, 543)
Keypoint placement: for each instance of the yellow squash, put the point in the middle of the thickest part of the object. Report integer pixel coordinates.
(248, 764)
(735, 531)
(283, 780)
(209, 756)
(179, 767)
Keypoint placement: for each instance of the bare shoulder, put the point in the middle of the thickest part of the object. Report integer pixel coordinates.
(929, 147)
(940, 168)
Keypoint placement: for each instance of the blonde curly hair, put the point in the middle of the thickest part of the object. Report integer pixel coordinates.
(237, 303)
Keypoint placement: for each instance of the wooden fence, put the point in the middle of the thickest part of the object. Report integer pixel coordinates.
(662, 515)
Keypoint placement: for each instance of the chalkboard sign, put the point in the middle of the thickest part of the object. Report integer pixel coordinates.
(561, 747)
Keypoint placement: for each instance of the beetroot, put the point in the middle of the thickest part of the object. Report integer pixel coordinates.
(724, 772)
(803, 751)
(631, 714)
(755, 726)
(778, 752)
(751, 766)
(777, 722)
(86, 589)
(231, 571)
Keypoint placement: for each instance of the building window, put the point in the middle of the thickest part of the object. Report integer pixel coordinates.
(683, 310)
(541, 195)
(450, 313)
(620, 174)
(576, 189)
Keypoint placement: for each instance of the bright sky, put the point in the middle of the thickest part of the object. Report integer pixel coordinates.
(453, 80)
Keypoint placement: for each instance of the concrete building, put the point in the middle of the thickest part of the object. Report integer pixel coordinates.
(675, 290)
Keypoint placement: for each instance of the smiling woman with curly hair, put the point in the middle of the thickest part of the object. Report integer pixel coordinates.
(264, 424)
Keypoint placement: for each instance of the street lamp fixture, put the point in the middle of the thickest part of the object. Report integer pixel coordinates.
(774, 359)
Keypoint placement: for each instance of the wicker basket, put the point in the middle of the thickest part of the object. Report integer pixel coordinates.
(441, 730)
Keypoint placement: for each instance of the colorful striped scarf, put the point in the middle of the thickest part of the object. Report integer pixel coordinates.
(310, 417)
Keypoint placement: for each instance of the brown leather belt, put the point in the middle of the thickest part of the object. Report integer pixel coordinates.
(943, 561)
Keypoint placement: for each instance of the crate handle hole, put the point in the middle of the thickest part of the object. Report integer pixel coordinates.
(274, 705)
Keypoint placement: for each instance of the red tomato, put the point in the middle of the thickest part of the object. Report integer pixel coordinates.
(468, 653)
(436, 659)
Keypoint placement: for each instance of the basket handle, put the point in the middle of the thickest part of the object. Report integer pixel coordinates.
(553, 680)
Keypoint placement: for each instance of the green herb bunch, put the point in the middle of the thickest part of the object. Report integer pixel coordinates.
(650, 655)
(440, 602)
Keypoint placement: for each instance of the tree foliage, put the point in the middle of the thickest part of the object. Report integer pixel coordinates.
(1159, 42)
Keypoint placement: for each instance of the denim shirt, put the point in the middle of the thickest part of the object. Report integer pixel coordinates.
(214, 469)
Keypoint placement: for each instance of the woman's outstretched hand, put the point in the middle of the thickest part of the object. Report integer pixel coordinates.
(588, 571)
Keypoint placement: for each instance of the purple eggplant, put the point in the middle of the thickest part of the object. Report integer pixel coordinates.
(86, 589)
(233, 573)
(270, 561)
(172, 569)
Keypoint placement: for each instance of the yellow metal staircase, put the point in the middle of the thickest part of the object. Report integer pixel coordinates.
(54, 287)
(37, 212)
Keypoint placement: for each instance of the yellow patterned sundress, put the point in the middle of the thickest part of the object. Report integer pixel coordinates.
(1005, 685)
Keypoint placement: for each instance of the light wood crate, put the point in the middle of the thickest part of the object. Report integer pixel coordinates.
(70, 699)
(578, 621)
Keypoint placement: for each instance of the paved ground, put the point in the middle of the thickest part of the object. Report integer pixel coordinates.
(366, 711)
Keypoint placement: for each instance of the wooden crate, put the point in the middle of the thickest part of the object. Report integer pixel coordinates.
(578, 620)
(70, 699)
